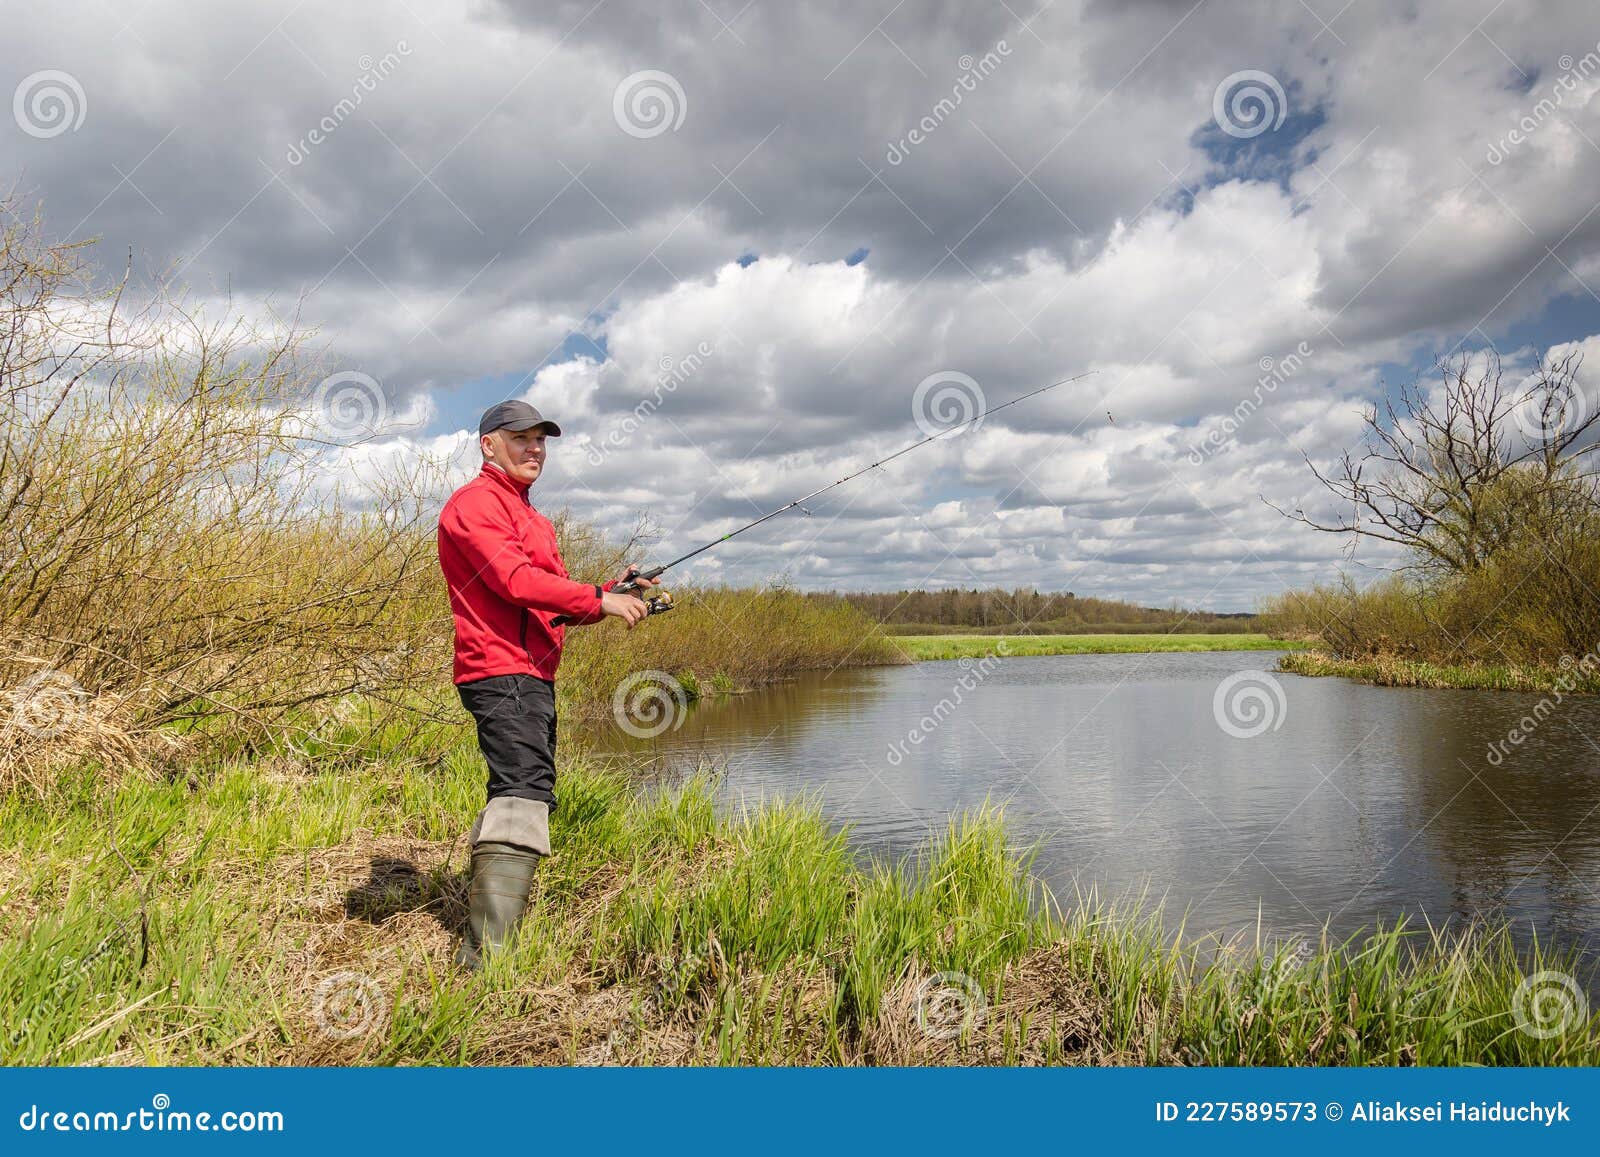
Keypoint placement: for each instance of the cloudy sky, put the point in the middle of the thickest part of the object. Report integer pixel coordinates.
(737, 248)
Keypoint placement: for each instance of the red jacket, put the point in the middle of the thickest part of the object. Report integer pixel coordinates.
(506, 581)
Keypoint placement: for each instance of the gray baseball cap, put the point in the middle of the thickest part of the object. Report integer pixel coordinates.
(516, 416)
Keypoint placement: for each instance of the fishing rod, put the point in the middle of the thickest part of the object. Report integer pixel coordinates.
(659, 601)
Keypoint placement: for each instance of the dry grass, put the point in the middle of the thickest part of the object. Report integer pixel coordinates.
(188, 571)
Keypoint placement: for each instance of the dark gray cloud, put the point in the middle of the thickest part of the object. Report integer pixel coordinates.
(455, 198)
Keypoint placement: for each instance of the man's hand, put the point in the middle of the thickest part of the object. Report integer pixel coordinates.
(631, 572)
(625, 607)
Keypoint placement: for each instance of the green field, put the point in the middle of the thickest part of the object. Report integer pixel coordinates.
(973, 646)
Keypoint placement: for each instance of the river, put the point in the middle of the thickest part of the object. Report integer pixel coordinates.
(1205, 782)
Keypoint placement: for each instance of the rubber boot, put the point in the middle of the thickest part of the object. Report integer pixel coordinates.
(502, 876)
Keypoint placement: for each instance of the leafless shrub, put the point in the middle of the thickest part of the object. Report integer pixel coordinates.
(175, 555)
(1457, 473)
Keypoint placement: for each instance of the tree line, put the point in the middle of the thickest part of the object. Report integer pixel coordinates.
(1025, 610)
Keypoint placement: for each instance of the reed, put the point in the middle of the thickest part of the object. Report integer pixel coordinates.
(1391, 671)
(256, 914)
(187, 573)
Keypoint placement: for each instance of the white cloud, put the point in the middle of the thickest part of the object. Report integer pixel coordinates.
(1078, 211)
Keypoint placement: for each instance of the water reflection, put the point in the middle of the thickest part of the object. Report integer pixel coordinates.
(1361, 804)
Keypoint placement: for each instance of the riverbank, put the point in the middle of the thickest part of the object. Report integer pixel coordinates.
(1391, 671)
(719, 639)
(266, 914)
(923, 647)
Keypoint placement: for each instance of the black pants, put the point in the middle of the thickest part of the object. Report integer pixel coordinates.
(516, 717)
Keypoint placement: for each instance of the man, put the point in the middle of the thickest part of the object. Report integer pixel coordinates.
(507, 583)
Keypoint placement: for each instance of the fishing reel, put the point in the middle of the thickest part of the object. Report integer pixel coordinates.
(656, 600)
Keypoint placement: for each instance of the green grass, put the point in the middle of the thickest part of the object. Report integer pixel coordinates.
(228, 917)
(974, 646)
(1390, 671)
(716, 641)
(1024, 626)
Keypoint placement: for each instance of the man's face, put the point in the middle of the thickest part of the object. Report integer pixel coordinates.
(520, 453)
